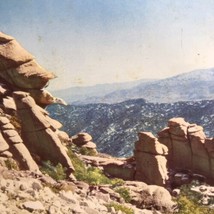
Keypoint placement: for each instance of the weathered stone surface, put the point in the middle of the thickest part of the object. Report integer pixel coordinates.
(37, 133)
(63, 136)
(200, 157)
(151, 168)
(33, 206)
(12, 55)
(23, 156)
(177, 121)
(3, 90)
(189, 149)
(90, 145)
(43, 97)
(9, 103)
(150, 160)
(81, 138)
(4, 120)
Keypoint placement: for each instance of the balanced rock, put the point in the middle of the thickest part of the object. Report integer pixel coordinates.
(81, 139)
(18, 67)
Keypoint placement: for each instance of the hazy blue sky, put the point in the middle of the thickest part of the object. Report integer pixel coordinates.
(85, 42)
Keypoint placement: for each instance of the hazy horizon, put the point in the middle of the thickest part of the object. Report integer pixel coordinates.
(89, 42)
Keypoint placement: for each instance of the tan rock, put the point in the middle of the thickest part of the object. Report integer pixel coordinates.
(3, 90)
(10, 133)
(149, 143)
(81, 139)
(43, 97)
(151, 169)
(23, 156)
(12, 55)
(63, 136)
(4, 120)
(90, 145)
(37, 132)
(178, 121)
(5, 38)
(7, 126)
(200, 157)
(9, 103)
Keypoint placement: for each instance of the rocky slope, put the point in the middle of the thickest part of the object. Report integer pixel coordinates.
(32, 146)
(31, 143)
(114, 127)
(192, 86)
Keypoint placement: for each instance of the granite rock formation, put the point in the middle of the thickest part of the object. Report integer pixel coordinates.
(84, 140)
(150, 156)
(189, 149)
(22, 96)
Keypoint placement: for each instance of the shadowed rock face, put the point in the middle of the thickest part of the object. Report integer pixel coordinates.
(22, 93)
(39, 131)
(11, 143)
(150, 160)
(188, 147)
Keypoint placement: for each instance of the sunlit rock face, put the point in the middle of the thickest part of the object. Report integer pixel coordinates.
(150, 159)
(189, 149)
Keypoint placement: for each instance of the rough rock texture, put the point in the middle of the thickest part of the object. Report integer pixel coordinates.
(150, 160)
(84, 140)
(115, 167)
(11, 141)
(39, 131)
(26, 192)
(35, 134)
(20, 71)
(189, 149)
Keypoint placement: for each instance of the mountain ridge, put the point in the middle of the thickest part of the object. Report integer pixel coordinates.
(114, 126)
(190, 86)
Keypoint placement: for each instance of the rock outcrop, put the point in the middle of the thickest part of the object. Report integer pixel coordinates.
(150, 156)
(84, 140)
(39, 131)
(11, 145)
(20, 71)
(189, 149)
(22, 96)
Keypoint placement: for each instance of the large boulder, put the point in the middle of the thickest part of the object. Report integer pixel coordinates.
(151, 163)
(18, 67)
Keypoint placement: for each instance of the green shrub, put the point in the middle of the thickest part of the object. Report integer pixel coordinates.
(117, 182)
(87, 151)
(120, 207)
(90, 175)
(11, 164)
(56, 172)
(124, 193)
(188, 202)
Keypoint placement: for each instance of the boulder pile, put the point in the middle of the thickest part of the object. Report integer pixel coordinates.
(26, 130)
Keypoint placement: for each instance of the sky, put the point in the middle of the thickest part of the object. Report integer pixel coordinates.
(88, 42)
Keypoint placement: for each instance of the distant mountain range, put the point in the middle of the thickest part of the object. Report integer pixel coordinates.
(114, 127)
(192, 86)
